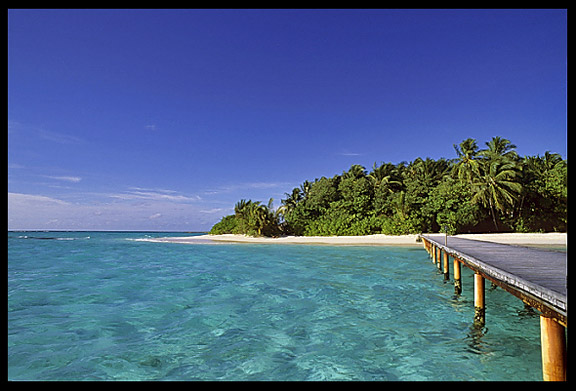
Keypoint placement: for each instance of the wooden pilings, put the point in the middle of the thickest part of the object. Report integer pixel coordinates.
(553, 319)
(440, 258)
(457, 278)
(479, 307)
(446, 269)
(436, 254)
(553, 343)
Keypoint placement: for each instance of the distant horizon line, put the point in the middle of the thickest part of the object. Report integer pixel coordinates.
(101, 230)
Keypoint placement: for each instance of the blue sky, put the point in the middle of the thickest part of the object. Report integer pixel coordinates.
(163, 119)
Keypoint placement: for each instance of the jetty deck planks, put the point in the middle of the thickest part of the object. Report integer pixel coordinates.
(538, 277)
(534, 272)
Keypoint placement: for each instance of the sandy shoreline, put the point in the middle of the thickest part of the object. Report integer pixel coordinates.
(558, 239)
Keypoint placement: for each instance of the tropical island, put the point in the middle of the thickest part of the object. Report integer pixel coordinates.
(492, 190)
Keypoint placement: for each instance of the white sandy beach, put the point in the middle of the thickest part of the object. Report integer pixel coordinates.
(399, 240)
(551, 238)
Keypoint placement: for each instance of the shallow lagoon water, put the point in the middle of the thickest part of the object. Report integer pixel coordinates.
(101, 306)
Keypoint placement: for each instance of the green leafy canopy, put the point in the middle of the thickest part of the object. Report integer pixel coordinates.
(480, 190)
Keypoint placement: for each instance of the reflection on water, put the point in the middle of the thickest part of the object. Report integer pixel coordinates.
(475, 340)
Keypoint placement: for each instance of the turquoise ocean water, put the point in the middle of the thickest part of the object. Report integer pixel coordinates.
(102, 306)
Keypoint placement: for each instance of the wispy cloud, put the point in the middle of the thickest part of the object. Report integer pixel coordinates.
(214, 210)
(155, 190)
(26, 199)
(155, 195)
(20, 129)
(241, 186)
(349, 154)
(34, 211)
(73, 179)
(57, 137)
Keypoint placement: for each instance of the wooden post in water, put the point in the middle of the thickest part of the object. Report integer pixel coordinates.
(479, 308)
(446, 269)
(553, 340)
(457, 278)
(438, 259)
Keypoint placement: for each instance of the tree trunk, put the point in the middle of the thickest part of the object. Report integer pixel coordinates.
(493, 216)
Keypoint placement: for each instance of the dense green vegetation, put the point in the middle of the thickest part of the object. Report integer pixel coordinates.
(488, 190)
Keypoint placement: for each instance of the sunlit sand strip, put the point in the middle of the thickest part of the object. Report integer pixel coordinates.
(552, 238)
(332, 240)
(391, 240)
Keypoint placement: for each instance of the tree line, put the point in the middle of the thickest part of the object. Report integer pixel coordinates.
(481, 190)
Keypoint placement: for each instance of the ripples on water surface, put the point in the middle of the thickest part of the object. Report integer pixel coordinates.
(104, 307)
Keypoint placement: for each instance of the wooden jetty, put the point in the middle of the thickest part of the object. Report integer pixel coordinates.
(538, 277)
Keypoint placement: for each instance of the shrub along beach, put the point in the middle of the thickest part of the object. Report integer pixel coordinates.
(481, 190)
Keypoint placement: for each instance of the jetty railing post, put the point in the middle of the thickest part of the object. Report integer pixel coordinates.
(553, 340)
(479, 308)
(446, 269)
(457, 278)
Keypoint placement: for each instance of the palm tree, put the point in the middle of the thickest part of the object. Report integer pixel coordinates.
(251, 216)
(497, 186)
(356, 171)
(290, 203)
(241, 208)
(400, 204)
(384, 175)
(292, 199)
(536, 167)
(468, 165)
(551, 160)
(499, 149)
(259, 217)
(427, 171)
(535, 172)
(305, 188)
